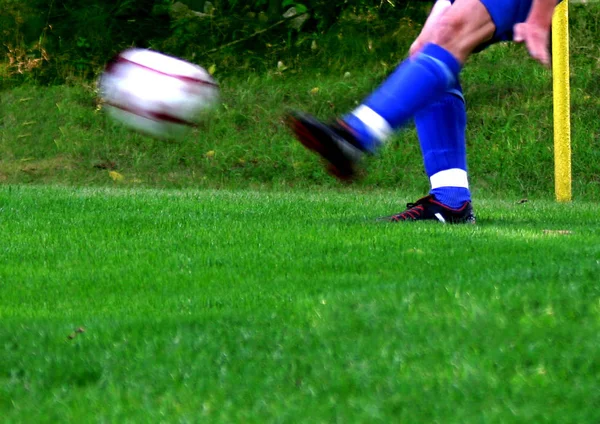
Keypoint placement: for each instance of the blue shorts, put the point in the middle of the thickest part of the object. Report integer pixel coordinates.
(505, 15)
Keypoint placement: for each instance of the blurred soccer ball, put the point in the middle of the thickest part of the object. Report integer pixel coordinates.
(156, 94)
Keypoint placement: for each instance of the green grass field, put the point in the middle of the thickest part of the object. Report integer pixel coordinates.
(139, 305)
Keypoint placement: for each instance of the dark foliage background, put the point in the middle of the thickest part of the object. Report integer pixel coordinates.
(51, 41)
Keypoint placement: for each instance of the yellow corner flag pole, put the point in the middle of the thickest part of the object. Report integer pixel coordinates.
(562, 102)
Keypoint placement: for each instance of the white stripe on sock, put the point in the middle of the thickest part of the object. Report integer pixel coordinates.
(379, 127)
(454, 177)
(450, 78)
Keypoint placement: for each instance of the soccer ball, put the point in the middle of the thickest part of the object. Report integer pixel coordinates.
(159, 95)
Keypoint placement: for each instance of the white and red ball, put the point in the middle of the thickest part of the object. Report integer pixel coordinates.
(156, 94)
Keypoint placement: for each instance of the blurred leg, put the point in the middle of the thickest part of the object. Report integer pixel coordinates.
(426, 76)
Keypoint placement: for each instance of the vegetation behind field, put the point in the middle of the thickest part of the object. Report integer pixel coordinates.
(60, 133)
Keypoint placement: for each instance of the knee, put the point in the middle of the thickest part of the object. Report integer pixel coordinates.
(449, 30)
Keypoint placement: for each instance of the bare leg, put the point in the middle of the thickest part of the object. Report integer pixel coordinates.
(458, 28)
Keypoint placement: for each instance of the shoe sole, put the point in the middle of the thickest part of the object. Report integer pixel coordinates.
(308, 140)
(439, 213)
(393, 219)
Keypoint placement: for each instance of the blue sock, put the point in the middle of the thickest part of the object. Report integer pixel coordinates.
(414, 84)
(441, 127)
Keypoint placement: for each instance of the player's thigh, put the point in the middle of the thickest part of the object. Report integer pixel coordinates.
(505, 15)
(464, 26)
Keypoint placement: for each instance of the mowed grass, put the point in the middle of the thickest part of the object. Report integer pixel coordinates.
(248, 306)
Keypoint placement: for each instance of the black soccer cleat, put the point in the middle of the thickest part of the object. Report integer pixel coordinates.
(428, 208)
(335, 143)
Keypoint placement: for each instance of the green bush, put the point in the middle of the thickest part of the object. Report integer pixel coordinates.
(53, 41)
